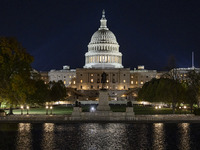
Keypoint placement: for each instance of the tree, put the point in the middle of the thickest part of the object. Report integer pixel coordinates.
(193, 85)
(58, 90)
(171, 68)
(162, 90)
(15, 67)
(41, 94)
(171, 63)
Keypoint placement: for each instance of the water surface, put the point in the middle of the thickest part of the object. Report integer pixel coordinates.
(99, 136)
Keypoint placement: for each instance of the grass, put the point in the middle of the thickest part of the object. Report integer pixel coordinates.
(139, 110)
(58, 110)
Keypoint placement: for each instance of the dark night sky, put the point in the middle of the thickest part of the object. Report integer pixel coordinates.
(57, 32)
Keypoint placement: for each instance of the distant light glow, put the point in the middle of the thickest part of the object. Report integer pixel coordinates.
(92, 109)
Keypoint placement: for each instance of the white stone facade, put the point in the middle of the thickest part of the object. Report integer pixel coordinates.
(66, 75)
(140, 76)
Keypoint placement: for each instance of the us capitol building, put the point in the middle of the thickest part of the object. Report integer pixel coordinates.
(103, 56)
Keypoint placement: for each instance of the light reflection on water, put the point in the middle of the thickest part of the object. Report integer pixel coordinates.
(158, 136)
(24, 138)
(103, 136)
(48, 136)
(97, 136)
(184, 131)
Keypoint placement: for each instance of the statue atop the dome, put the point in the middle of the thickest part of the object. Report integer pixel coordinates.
(103, 13)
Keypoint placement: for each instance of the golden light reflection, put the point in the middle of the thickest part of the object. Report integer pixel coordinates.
(48, 136)
(24, 136)
(184, 130)
(158, 136)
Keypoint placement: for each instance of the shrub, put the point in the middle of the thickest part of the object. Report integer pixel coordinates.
(1, 110)
(197, 111)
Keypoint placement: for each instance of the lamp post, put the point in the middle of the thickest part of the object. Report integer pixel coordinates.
(22, 107)
(27, 108)
(51, 107)
(47, 107)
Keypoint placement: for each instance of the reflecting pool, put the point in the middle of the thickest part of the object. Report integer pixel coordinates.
(97, 136)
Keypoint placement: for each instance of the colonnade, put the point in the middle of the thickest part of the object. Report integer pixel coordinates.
(103, 59)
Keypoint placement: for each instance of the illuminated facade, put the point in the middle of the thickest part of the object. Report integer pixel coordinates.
(103, 56)
(66, 75)
(103, 49)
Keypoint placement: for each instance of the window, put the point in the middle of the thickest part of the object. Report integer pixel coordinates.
(107, 81)
(69, 82)
(98, 80)
(74, 82)
(91, 75)
(131, 82)
(124, 81)
(113, 81)
(70, 76)
(107, 87)
(113, 74)
(81, 87)
(147, 76)
(64, 82)
(132, 77)
(136, 82)
(64, 76)
(81, 81)
(91, 80)
(124, 74)
(97, 74)
(124, 87)
(141, 82)
(91, 86)
(97, 86)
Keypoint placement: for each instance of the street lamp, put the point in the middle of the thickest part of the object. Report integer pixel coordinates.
(22, 107)
(47, 107)
(156, 107)
(27, 108)
(51, 107)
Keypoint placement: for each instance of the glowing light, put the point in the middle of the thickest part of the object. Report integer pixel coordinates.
(27, 107)
(156, 107)
(159, 107)
(22, 107)
(47, 107)
(184, 107)
(92, 109)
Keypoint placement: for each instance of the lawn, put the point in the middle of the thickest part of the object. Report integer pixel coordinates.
(58, 110)
(139, 110)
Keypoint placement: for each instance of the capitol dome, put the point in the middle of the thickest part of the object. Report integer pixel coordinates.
(103, 49)
(103, 36)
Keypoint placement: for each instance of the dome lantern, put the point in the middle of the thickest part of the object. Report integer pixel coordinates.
(103, 22)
